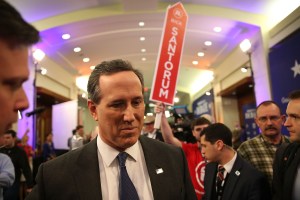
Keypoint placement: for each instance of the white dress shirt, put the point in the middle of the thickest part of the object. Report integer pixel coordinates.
(228, 166)
(110, 172)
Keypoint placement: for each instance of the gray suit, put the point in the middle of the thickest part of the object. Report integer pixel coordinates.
(75, 175)
(243, 183)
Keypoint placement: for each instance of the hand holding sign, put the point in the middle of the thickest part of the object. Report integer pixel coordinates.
(159, 110)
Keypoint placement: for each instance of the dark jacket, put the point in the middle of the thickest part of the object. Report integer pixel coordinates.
(21, 164)
(75, 175)
(285, 166)
(243, 183)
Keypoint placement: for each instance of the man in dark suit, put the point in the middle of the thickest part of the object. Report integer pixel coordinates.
(153, 170)
(286, 168)
(150, 131)
(239, 179)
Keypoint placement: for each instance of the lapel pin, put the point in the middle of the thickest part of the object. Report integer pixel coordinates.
(237, 173)
(159, 171)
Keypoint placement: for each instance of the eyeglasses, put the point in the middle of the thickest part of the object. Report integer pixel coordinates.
(271, 118)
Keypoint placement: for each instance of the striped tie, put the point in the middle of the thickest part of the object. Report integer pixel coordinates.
(127, 190)
(220, 181)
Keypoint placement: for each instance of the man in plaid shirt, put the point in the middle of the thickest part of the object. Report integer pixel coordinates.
(260, 150)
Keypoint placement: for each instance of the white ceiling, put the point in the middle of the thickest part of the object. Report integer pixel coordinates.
(108, 29)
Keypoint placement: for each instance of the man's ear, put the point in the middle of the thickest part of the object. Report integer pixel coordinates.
(93, 110)
(220, 144)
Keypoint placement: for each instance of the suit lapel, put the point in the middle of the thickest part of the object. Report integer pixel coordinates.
(86, 172)
(291, 173)
(154, 165)
(210, 186)
(233, 178)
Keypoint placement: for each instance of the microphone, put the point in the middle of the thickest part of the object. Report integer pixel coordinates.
(35, 111)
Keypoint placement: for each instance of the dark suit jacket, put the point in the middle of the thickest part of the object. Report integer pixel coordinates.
(243, 183)
(75, 175)
(283, 185)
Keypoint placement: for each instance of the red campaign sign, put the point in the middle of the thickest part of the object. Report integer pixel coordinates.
(167, 67)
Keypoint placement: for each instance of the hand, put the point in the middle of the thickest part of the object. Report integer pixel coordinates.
(159, 107)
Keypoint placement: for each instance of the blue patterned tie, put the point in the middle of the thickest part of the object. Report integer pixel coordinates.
(127, 190)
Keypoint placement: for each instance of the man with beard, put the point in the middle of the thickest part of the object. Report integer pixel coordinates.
(260, 150)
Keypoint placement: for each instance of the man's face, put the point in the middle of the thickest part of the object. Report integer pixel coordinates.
(197, 130)
(120, 112)
(81, 132)
(269, 120)
(13, 73)
(209, 150)
(149, 128)
(292, 122)
(9, 141)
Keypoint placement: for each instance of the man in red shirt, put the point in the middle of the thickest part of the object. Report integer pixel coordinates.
(196, 162)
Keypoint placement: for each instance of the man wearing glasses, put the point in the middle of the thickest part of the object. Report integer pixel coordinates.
(260, 150)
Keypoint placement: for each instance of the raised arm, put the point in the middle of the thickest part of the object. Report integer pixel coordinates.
(165, 126)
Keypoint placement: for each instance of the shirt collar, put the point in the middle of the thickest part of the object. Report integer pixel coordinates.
(109, 154)
(228, 166)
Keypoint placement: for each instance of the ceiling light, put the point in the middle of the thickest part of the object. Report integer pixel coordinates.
(244, 69)
(66, 36)
(144, 59)
(217, 29)
(141, 24)
(200, 54)
(208, 93)
(176, 99)
(143, 50)
(142, 38)
(195, 62)
(245, 45)
(77, 49)
(208, 43)
(38, 55)
(43, 71)
(92, 67)
(85, 59)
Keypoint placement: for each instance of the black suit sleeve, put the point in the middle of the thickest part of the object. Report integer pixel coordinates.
(24, 163)
(277, 183)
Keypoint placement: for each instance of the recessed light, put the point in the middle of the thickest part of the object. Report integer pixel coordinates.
(208, 43)
(144, 59)
(195, 62)
(77, 49)
(85, 59)
(141, 24)
(200, 54)
(143, 50)
(217, 29)
(142, 38)
(92, 67)
(66, 36)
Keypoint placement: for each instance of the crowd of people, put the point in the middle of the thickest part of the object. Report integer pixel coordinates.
(153, 165)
